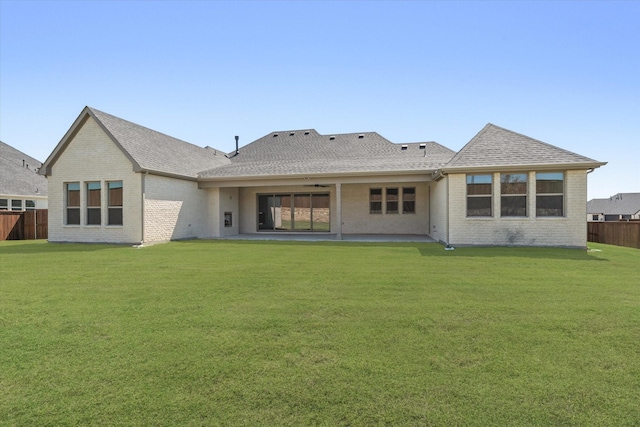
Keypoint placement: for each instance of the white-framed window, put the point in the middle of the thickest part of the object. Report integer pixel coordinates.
(30, 205)
(72, 190)
(16, 204)
(4, 204)
(549, 194)
(513, 194)
(115, 202)
(94, 210)
(479, 195)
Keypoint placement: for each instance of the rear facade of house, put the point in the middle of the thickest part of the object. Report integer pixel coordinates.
(111, 180)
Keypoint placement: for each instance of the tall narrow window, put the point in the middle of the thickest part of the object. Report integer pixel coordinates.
(549, 194)
(93, 203)
(392, 200)
(114, 203)
(513, 194)
(408, 200)
(479, 195)
(375, 200)
(73, 203)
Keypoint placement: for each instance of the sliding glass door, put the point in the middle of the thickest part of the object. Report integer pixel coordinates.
(303, 212)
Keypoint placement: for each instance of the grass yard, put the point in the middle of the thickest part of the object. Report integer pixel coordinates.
(294, 333)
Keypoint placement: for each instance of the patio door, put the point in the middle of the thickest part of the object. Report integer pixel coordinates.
(302, 212)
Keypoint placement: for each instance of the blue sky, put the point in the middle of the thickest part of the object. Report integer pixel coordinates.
(567, 73)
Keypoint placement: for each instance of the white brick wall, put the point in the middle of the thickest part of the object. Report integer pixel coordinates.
(174, 209)
(92, 156)
(223, 200)
(569, 230)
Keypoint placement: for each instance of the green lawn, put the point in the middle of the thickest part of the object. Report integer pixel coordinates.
(323, 333)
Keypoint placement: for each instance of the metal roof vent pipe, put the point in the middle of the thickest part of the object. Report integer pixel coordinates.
(237, 138)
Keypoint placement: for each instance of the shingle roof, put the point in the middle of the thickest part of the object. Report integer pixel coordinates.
(494, 146)
(620, 204)
(301, 152)
(147, 149)
(18, 173)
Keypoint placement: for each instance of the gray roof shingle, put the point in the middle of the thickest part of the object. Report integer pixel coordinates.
(494, 146)
(157, 152)
(18, 179)
(620, 204)
(306, 152)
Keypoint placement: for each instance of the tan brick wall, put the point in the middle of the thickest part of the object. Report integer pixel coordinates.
(174, 209)
(92, 156)
(569, 230)
(223, 200)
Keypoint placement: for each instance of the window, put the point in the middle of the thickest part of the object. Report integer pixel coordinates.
(408, 200)
(228, 219)
(16, 205)
(392, 200)
(549, 194)
(4, 204)
(375, 200)
(93, 203)
(114, 203)
(30, 205)
(513, 194)
(595, 217)
(73, 203)
(479, 188)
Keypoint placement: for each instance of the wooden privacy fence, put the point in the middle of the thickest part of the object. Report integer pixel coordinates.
(621, 233)
(24, 225)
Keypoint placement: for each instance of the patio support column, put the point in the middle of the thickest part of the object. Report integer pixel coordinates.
(339, 210)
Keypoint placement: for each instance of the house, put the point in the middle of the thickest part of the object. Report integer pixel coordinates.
(117, 181)
(21, 187)
(622, 206)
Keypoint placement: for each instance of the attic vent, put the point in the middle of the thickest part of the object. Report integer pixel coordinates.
(404, 147)
(292, 133)
(423, 146)
(331, 138)
(306, 132)
(275, 134)
(361, 136)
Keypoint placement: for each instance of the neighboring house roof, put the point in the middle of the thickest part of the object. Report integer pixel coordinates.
(306, 152)
(19, 174)
(620, 204)
(148, 150)
(495, 147)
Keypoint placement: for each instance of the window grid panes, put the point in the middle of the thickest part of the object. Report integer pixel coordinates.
(392, 200)
(375, 200)
(408, 200)
(550, 194)
(4, 204)
(513, 198)
(479, 190)
(16, 205)
(114, 203)
(73, 203)
(93, 203)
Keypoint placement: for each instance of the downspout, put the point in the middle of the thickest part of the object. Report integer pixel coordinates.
(143, 197)
(448, 208)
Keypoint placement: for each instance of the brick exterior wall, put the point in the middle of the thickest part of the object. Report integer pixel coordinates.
(174, 209)
(569, 230)
(438, 202)
(92, 156)
(223, 200)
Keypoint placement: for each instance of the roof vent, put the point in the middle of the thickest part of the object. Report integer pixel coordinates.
(275, 134)
(292, 133)
(404, 147)
(423, 146)
(332, 137)
(361, 136)
(306, 132)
